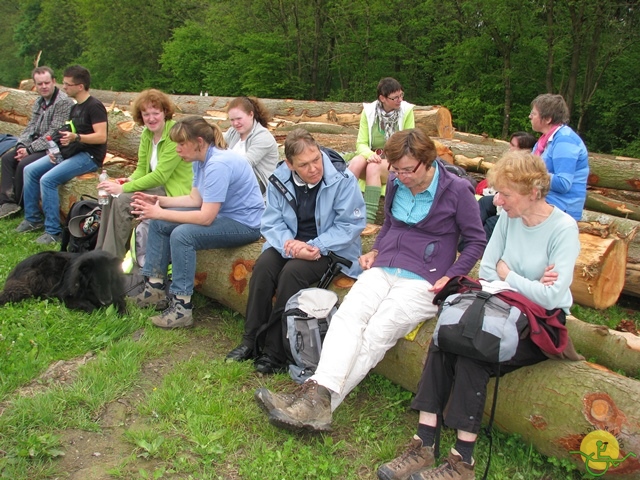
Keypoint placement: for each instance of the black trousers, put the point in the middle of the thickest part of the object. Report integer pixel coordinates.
(12, 179)
(456, 387)
(282, 277)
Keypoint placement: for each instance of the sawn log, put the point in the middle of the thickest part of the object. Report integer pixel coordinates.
(570, 398)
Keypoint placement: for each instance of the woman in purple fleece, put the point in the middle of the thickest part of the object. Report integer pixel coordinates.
(427, 211)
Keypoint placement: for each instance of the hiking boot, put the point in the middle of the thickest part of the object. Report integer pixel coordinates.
(415, 458)
(8, 209)
(152, 296)
(268, 400)
(311, 410)
(26, 226)
(48, 239)
(240, 354)
(178, 315)
(453, 468)
(268, 365)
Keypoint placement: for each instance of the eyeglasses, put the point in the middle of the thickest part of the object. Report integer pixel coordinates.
(397, 97)
(404, 171)
(70, 84)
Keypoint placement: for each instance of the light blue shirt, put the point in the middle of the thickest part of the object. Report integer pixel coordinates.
(225, 177)
(410, 209)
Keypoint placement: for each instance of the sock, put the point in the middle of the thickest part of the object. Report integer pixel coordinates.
(185, 299)
(465, 449)
(156, 282)
(427, 434)
(372, 200)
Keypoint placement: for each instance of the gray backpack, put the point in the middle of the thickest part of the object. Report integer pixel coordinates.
(308, 315)
(479, 325)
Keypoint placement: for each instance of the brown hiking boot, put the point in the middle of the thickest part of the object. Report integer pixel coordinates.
(267, 400)
(415, 458)
(310, 410)
(453, 468)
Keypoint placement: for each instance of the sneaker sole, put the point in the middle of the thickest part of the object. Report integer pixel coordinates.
(172, 327)
(280, 420)
(10, 214)
(34, 229)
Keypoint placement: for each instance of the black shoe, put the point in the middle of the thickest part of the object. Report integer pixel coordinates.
(268, 366)
(239, 354)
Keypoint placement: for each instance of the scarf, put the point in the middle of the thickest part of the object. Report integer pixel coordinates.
(544, 139)
(388, 121)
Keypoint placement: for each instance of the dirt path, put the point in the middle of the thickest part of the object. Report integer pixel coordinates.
(90, 455)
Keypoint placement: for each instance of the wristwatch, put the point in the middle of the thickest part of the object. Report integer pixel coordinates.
(77, 137)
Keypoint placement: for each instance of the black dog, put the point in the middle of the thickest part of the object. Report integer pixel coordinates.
(83, 281)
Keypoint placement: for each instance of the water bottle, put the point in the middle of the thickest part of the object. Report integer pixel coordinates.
(53, 150)
(103, 196)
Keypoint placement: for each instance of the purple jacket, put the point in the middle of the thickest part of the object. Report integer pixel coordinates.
(429, 248)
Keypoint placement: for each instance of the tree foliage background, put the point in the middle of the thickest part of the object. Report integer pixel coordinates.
(483, 59)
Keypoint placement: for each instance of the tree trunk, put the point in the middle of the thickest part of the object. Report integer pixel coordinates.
(610, 171)
(16, 105)
(601, 203)
(552, 405)
(613, 349)
(435, 119)
(599, 274)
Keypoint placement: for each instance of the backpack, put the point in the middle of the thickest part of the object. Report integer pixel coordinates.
(307, 316)
(460, 172)
(479, 325)
(80, 233)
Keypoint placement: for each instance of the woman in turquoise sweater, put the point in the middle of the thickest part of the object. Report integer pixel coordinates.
(160, 171)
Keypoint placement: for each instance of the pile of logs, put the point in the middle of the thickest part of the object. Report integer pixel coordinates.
(600, 275)
(552, 405)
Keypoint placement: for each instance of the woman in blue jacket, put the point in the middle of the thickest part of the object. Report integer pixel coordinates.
(314, 209)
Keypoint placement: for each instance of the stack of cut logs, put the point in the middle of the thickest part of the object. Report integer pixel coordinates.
(552, 405)
(614, 184)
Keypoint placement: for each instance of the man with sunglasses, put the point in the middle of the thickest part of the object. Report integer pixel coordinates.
(49, 113)
(427, 210)
(83, 147)
(378, 121)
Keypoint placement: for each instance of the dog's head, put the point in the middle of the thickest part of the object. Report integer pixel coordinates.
(96, 276)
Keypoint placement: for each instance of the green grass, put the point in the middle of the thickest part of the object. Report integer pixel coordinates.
(195, 416)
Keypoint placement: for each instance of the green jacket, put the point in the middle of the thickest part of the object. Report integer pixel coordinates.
(367, 118)
(172, 173)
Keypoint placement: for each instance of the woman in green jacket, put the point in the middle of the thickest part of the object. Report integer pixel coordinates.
(160, 171)
(378, 121)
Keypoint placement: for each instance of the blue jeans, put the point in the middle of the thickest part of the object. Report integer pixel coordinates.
(178, 243)
(42, 179)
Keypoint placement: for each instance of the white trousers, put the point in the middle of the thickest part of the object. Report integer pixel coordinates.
(379, 309)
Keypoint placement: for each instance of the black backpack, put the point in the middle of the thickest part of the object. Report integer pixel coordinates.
(80, 233)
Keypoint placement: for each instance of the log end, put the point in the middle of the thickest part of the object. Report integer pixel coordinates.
(239, 277)
(601, 411)
(126, 126)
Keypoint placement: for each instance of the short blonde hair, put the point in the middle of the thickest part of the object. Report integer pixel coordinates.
(521, 171)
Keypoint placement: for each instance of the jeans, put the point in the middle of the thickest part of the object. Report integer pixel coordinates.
(178, 243)
(41, 181)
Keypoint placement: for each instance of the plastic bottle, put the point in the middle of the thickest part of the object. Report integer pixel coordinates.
(54, 150)
(103, 196)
